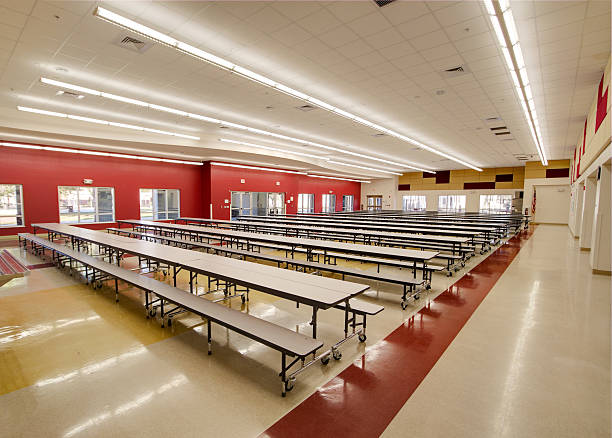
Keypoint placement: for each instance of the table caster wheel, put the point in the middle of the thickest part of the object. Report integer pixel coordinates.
(404, 305)
(152, 312)
(362, 337)
(449, 274)
(428, 287)
(325, 359)
(243, 299)
(289, 384)
(337, 354)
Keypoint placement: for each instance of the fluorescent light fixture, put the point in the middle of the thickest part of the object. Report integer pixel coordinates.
(226, 140)
(104, 154)
(155, 35)
(267, 169)
(363, 167)
(73, 87)
(229, 124)
(338, 178)
(502, 21)
(103, 122)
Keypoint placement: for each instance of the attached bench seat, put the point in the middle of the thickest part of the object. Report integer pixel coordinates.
(287, 342)
(409, 284)
(10, 267)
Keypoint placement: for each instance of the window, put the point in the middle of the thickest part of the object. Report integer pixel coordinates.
(11, 205)
(451, 203)
(329, 203)
(79, 205)
(495, 203)
(347, 203)
(159, 204)
(305, 203)
(414, 203)
(374, 202)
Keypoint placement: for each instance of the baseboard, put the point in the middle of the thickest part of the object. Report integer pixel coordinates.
(584, 249)
(601, 272)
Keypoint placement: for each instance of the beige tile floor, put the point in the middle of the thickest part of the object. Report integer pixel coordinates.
(534, 359)
(74, 363)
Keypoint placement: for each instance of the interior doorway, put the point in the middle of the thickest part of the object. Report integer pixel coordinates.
(374, 202)
(257, 204)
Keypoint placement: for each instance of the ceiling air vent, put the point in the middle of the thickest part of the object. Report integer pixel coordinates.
(497, 128)
(132, 43)
(456, 71)
(382, 3)
(523, 157)
(503, 133)
(69, 95)
(307, 107)
(378, 134)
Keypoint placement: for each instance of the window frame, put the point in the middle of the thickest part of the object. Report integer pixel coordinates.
(494, 211)
(96, 211)
(17, 216)
(352, 198)
(155, 213)
(421, 197)
(447, 210)
(311, 198)
(325, 207)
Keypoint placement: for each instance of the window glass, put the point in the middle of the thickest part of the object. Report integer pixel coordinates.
(79, 205)
(329, 203)
(160, 204)
(11, 205)
(347, 203)
(305, 203)
(146, 204)
(414, 203)
(495, 204)
(451, 203)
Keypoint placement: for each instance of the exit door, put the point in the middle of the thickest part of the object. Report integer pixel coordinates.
(374, 202)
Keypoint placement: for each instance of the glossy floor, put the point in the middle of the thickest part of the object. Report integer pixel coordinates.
(74, 363)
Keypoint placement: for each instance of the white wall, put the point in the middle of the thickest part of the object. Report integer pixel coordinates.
(528, 196)
(552, 204)
(600, 256)
(387, 188)
(472, 200)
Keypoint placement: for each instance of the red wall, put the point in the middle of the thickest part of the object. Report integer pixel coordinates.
(223, 180)
(40, 172)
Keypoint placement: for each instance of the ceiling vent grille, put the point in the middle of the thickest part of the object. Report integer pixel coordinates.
(307, 107)
(453, 72)
(132, 43)
(523, 157)
(378, 134)
(382, 3)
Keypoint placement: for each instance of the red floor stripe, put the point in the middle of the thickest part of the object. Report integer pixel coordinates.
(40, 266)
(363, 399)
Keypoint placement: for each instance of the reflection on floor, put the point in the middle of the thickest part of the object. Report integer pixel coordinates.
(82, 365)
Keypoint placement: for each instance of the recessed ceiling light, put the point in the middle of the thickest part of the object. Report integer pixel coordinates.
(181, 46)
(224, 123)
(103, 122)
(88, 152)
(244, 143)
(363, 167)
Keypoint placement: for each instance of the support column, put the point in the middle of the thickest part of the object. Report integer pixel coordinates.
(600, 241)
(578, 210)
(588, 206)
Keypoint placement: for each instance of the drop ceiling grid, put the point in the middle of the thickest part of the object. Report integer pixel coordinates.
(387, 91)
